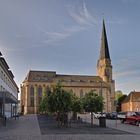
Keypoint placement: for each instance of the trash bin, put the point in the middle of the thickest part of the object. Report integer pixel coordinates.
(102, 121)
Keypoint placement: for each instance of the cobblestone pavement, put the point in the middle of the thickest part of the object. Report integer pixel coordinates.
(27, 128)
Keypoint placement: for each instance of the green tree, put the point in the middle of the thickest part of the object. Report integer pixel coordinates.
(76, 106)
(93, 103)
(118, 94)
(60, 101)
(43, 107)
(120, 100)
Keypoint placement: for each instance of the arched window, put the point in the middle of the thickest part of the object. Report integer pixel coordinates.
(39, 94)
(32, 96)
(40, 91)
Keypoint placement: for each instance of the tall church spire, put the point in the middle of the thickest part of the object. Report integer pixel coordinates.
(104, 67)
(104, 51)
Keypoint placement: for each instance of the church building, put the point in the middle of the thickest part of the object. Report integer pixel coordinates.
(36, 82)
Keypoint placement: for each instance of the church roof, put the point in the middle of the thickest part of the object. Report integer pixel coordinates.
(79, 78)
(50, 76)
(40, 75)
(127, 99)
(104, 51)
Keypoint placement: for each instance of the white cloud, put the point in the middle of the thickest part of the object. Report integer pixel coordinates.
(74, 29)
(81, 15)
(55, 36)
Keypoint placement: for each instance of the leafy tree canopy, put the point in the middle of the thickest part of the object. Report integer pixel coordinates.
(76, 104)
(43, 107)
(119, 102)
(118, 94)
(92, 102)
(60, 100)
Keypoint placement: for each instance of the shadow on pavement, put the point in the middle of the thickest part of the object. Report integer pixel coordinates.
(48, 125)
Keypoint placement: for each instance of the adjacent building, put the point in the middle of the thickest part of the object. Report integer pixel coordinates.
(131, 102)
(37, 82)
(8, 90)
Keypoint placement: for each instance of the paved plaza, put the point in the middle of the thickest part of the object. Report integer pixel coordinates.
(28, 128)
(48, 125)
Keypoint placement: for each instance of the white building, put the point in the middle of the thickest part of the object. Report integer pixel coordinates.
(8, 90)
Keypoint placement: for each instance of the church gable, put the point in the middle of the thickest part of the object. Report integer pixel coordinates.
(40, 76)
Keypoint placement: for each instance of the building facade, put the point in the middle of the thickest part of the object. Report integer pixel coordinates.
(37, 82)
(131, 102)
(8, 90)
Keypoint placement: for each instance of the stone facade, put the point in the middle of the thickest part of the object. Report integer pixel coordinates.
(36, 82)
(131, 102)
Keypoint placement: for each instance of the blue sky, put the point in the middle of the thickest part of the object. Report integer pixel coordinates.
(65, 36)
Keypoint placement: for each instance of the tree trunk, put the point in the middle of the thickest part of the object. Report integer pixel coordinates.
(65, 119)
(75, 116)
(58, 119)
(91, 119)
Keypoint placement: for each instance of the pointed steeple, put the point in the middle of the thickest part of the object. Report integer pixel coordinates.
(104, 67)
(104, 51)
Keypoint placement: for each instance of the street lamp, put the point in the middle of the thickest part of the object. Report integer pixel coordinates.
(101, 87)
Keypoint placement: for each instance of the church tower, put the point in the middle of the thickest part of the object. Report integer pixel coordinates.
(104, 67)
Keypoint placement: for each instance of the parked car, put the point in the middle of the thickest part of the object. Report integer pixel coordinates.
(108, 115)
(111, 115)
(96, 115)
(104, 114)
(137, 113)
(131, 117)
(99, 114)
(121, 115)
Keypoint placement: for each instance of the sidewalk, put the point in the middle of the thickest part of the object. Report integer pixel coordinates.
(24, 126)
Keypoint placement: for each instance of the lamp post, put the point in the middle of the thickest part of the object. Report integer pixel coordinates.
(101, 86)
(3, 104)
(4, 118)
(101, 93)
(116, 104)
